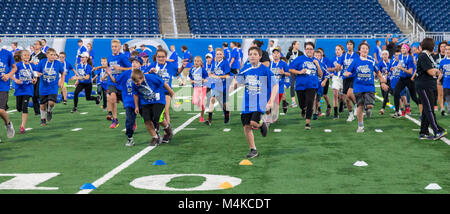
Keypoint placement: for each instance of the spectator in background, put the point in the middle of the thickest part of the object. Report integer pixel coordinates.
(145, 49)
(14, 47)
(81, 49)
(226, 52)
(132, 48)
(91, 52)
(241, 53)
(293, 53)
(126, 50)
(187, 58)
(425, 83)
(265, 59)
(438, 57)
(211, 51)
(270, 49)
(174, 56)
(377, 52)
(44, 46)
(392, 45)
(35, 58)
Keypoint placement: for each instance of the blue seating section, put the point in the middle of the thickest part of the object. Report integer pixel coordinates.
(433, 15)
(288, 17)
(79, 17)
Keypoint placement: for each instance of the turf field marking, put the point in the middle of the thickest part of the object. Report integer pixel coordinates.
(124, 130)
(192, 113)
(360, 163)
(11, 111)
(190, 129)
(28, 129)
(447, 141)
(433, 186)
(327, 130)
(282, 113)
(227, 130)
(139, 155)
(76, 129)
(378, 130)
(277, 130)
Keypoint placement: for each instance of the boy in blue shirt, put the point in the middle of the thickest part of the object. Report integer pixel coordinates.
(7, 70)
(149, 100)
(84, 82)
(102, 81)
(280, 70)
(261, 90)
(49, 70)
(363, 70)
(23, 91)
(118, 63)
(67, 70)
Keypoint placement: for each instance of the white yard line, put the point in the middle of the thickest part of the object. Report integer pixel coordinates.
(139, 155)
(447, 141)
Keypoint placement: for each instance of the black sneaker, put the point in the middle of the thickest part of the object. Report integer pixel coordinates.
(65, 102)
(396, 115)
(336, 117)
(154, 142)
(43, 122)
(426, 137)
(165, 139)
(285, 106)
(227, 119)
(443, 112)
(264, 129)
(208, 122)
(439, 135)
(253, 153)
(97, 101)
(74, 109)
(308, 126)
(49, 116)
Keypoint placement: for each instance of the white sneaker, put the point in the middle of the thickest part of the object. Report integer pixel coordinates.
(130, 142)
(360, 129)
(350, 118)
(10, 130)
(354, 110)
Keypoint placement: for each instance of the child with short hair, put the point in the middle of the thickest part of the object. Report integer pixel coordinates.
(67, 68)
(101, 77)
(83, 77)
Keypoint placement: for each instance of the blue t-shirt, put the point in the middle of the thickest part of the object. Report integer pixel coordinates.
(275, 69)
(80, 50)
(68, 71)
(258, 83)
(174, 56)
(165, 72)
(383, 67)
(84, 70)
(406, 62)
(325, 63)
(198, 75)
(241, 54)
(210, 82)
(308, 80)
(6, 63)
(227, 55)
(119, 60)
(92, 56)
(213, 53)
(150, 91)
(235, 55)
(187, 56)
(127, 54)
(378, 51)
(101, 73)
(24, 73)
(348, 59)
(394, 74)
(44, 49)
(363, 71)
(125, 84)
(337, 60)
(221, 68)
(445, 67)
(49, 80)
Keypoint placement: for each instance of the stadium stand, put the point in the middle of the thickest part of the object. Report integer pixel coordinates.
(431, 14)
(79, 17)
(288, 17)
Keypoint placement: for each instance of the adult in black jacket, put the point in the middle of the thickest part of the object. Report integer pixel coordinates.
(35, 58)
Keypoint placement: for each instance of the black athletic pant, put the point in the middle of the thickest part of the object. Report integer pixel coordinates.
(36, 106)
(385, 94)
(306, 101)
(427, 98)
(292, 85)
(401, 84)
(87, 89)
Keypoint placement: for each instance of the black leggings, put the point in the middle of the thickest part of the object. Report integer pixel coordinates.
(401, 84)
(306, 101)
(292, 85)
(427, 98)
(22, 103)
(386, 94)
(36, 106)
(87, 89)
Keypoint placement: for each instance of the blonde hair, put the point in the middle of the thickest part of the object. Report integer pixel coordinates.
(199, 58)
(116, 41)
(136, 75)
(219, 50)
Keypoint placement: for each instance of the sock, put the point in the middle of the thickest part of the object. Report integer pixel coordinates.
(156, 136)
(110, 112)
(360, 124)
(43, 114)
(50, 109)
(166, 127)
(210, 115)
(328, 106)
(335, 110)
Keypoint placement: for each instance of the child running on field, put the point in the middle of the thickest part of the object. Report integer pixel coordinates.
(198, 76)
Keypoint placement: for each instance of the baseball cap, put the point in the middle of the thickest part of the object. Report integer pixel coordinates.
(84, 54)
(208, 55)
(139, 59)
(210, 46)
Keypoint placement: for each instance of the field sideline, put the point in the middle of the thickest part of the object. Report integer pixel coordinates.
(292, 161)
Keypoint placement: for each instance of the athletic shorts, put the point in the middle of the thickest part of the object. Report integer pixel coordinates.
(348, 83)
(365, 98)
(4, 100)
(337, 83)
(325, 88)
(153, 112)
(254, 116)
(113, 89)
(234, 70)
(45, 98)
(220, 96)
(22, 103)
